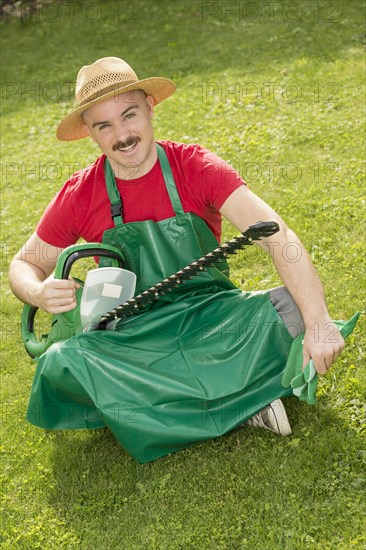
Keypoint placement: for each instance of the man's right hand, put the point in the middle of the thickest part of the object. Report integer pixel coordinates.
(32, 281)
(55, 295)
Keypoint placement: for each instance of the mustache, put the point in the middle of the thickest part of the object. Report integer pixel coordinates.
(131, 140)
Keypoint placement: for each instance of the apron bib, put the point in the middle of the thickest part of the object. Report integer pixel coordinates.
(203, 359)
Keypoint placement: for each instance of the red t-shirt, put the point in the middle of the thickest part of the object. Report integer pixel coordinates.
(82, 207)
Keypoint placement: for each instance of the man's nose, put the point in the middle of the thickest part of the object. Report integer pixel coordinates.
(121, 133)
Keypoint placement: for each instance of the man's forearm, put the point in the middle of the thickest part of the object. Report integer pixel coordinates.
(25, 280)
(296, 270)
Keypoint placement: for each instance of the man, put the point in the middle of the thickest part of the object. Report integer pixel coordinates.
(115, 109)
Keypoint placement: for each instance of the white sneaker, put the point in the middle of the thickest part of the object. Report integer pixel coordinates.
(273, 418)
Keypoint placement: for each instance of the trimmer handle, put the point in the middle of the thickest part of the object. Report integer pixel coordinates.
(64, 325)
(85, 250)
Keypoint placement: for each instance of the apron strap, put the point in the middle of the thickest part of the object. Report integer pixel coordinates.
(169, 180)
(115, 197)
(113, 194)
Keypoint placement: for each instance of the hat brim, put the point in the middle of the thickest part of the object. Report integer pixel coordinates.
(72, 126)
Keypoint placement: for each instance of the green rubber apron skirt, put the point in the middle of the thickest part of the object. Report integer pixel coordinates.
(202, 360)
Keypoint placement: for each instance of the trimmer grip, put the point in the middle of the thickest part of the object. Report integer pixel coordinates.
(85, 250)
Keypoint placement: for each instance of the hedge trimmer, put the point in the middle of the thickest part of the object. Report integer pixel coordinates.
(66, 325)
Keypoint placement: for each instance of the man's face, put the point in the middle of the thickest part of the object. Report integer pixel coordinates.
(121, 126)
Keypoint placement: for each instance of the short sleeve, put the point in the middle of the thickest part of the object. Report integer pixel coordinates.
(215, 178)
(59, 223)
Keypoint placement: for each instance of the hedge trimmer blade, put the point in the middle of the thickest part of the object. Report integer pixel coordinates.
(253, 233)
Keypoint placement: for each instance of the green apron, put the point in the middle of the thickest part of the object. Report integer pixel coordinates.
(200, 362)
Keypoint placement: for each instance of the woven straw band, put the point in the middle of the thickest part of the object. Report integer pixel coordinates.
(101, 92)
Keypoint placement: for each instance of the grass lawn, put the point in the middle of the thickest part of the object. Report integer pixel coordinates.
(276, 89)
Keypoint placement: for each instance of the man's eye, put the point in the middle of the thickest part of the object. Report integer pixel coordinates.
(130, 115)
(103, 126)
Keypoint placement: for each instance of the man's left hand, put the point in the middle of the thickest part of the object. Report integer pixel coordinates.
(323, 343)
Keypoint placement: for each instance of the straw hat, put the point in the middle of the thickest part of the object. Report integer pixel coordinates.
(103, 79)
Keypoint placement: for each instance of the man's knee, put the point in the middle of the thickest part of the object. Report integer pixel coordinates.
(287, 309)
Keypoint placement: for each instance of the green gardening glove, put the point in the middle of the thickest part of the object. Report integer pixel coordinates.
(304, 381)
